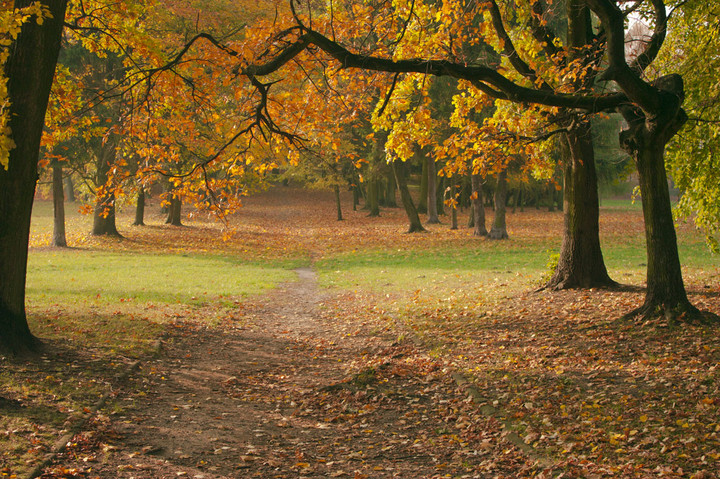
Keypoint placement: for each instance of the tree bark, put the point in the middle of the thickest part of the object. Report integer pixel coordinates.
(422, 202)
(174, 216)
(338, 204)
(59, 240)
(400, 172)
(391, 186)
(432, 211)
(70, 189)
(372, 193)
(140, 208)
(499, 228)
(646, 140)
(581, 263)
(478, 207)
(453, 211)
(104, 213)
(30, 69)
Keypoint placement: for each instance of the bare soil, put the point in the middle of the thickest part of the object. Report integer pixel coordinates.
(290, 392)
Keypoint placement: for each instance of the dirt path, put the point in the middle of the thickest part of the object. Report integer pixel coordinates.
(290, 393)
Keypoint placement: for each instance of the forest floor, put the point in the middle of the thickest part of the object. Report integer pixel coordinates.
(357, 368)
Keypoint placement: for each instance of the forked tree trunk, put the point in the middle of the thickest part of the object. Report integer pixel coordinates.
(478, 207)
(29, 68)
(499, 228)
(581, 263)
(432, 210)
(336, 188)
(59, 240)
(646, 140)
(400, 172)
(140, 208)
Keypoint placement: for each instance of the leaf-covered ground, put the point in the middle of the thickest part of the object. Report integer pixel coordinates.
(355, 376)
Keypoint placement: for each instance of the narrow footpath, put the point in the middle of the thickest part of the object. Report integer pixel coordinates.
(289, 393)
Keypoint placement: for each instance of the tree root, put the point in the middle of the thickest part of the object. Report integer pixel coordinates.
(679, 313)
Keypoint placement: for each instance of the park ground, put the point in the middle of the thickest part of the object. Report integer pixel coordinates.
(288, 344)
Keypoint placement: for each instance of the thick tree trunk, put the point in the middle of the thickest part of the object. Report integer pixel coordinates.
(140, 208)
(356, 196)
(581, 263)
(372, 200)
(338, 204)
(104, 213)
(59, 240)
(478, 207)
(174, 216)
(30, 69)
(646, 140)
(432, 211)
(440, 195)
(499, 228)
(400, 172)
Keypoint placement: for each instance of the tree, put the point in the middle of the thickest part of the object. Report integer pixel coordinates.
(29, 67)
(652, 109)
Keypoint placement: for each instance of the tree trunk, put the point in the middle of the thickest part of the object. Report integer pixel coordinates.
(104, 213)
(59, 239)
(391, 186)
(499, 229)
(356, 196)
(581, 263)
(432, 211)
(372, 193)
(29, 69)
(440, 195)
(174, 216)
(453, 211)
(70, 189)
(422, 203)
(478, 207)
(140, 208)
(646, 140)
(400, 172)
(337, 203)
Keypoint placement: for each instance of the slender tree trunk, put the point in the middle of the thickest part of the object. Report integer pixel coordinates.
(453, 211)
(104, 214)
(337, 202)
(391, 187)
(140, 208)
(69, 189)
(440, 195)
(59, 240)
(400, 172)
(581, 263)
(356, 196)
(499, 228)
(432, 211)
(478, 206)
(29, 69)
(423, 201)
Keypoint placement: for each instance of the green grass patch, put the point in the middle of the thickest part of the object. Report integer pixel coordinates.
(95, 277)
